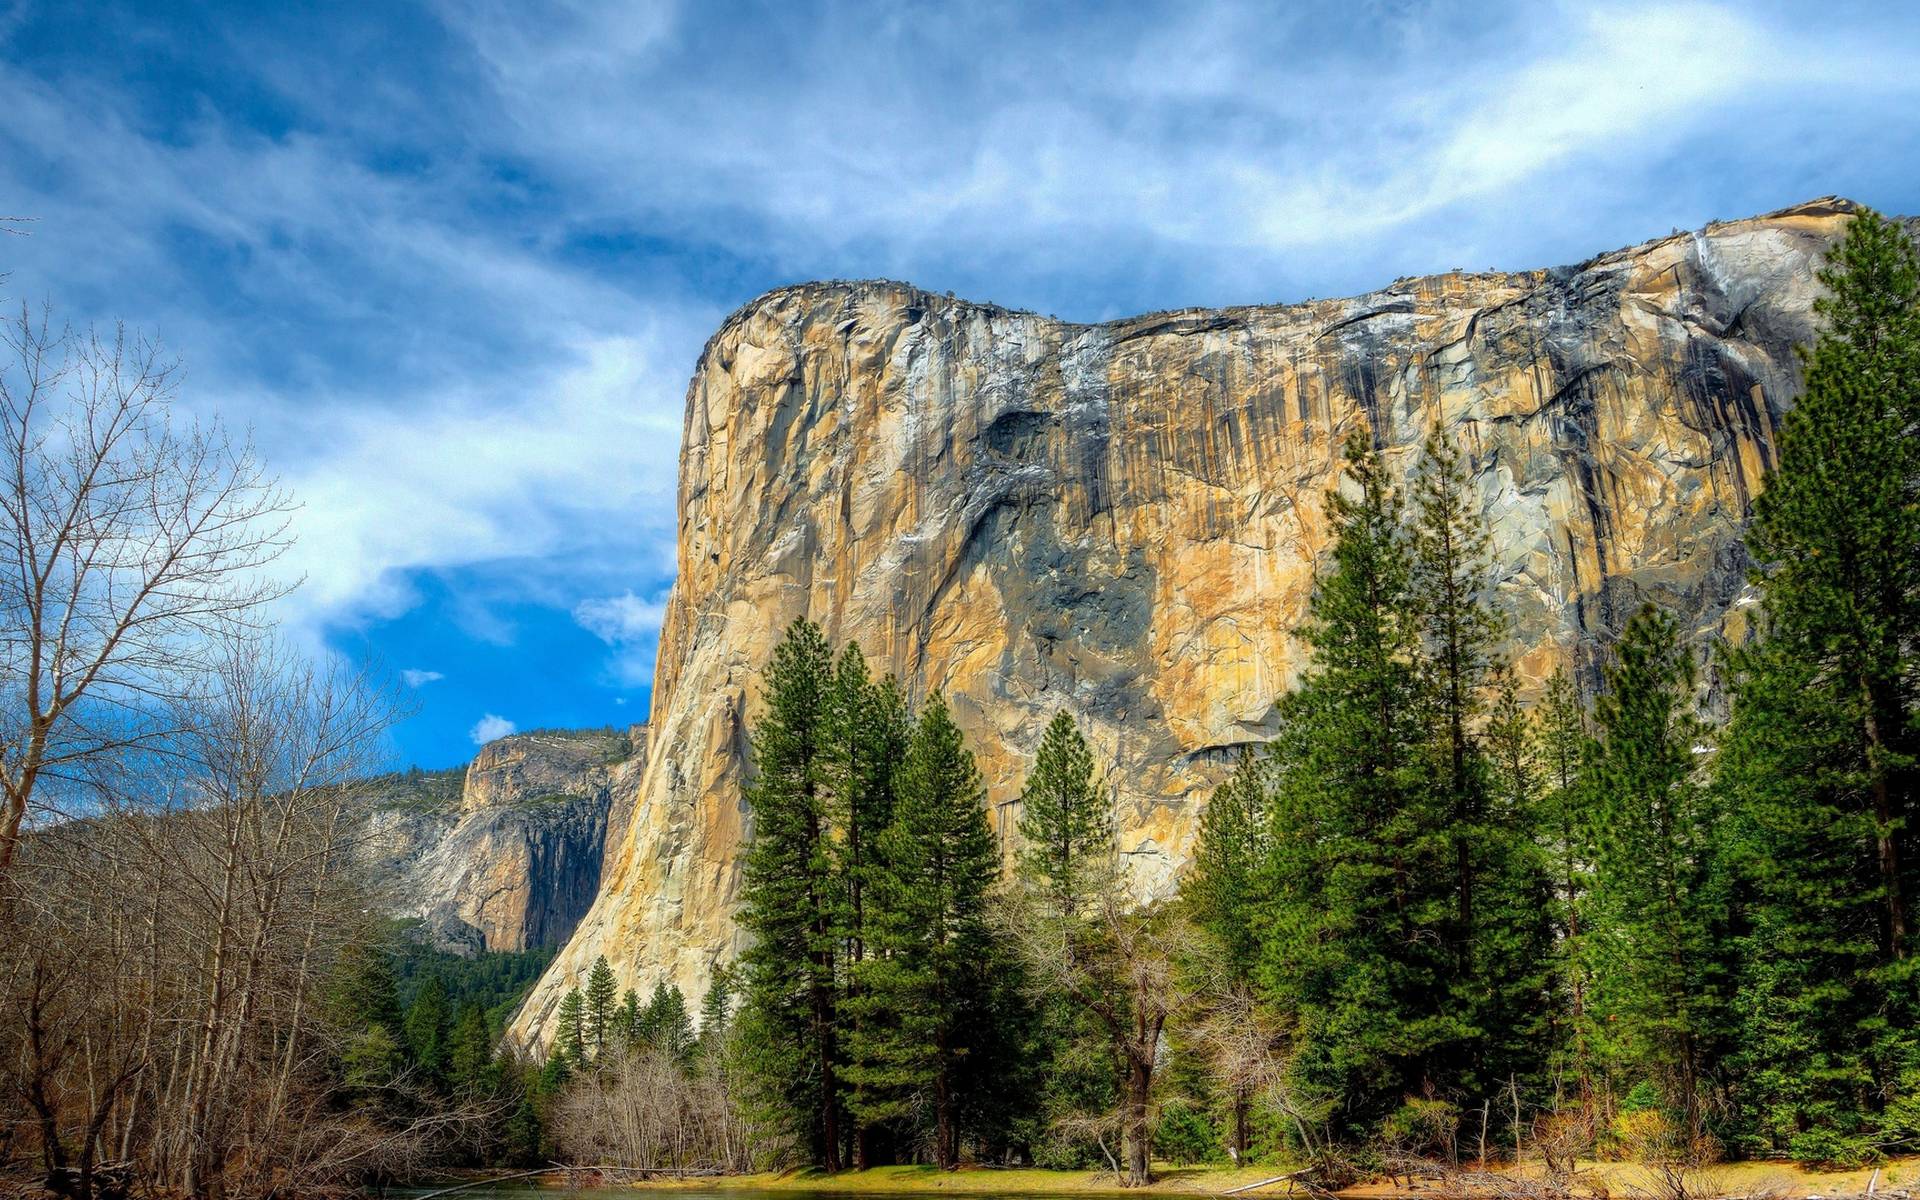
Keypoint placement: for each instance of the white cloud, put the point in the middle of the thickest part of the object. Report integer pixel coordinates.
(447, 379)
(414, 677)
(629, 624)
(489, 728)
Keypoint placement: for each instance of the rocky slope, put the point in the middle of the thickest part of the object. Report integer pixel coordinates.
(508, 853)
(1124, 519)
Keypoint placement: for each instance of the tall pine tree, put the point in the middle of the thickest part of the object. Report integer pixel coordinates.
(1361, 887)
(1066, 823)
(1563, 829)
(1459, 632)
(1823, 746)
(938, 861)
(1657, 897)
(790, 893)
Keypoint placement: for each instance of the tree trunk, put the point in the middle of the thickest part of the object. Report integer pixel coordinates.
(1241, 1110)
(1885, 850)
(946, 1148)
(1139, 1147)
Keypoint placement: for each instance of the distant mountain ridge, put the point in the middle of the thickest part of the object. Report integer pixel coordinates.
(506, 853)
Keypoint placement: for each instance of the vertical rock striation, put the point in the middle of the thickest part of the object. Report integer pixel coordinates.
(1124, 519)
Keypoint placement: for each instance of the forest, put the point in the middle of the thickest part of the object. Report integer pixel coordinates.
(1660, 910)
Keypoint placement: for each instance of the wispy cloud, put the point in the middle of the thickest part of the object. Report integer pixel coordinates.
(490, 727)
(414, 677)
(452, 263)
(631, 626)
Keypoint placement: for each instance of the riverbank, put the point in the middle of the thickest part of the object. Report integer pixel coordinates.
(1745, 1180)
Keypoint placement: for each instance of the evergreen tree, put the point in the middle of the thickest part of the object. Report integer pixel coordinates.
(1066, 823)
(1459, 632)
(627, 1019)
(1823, 746)
(470, 1054)
(1657, 896)
(716, 1008)
(428, 1023)
(1563, 830)
(1226, 884)
(1515, 990)
(570, 1037)
(1226, 892)
(1360, 885)
(365, 994)
(790, 900)
(600, 1010)
(938, 862)
(867, 732)
(665, 1024)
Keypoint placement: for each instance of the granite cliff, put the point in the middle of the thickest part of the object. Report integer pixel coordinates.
(1124, 518)
(507, 853)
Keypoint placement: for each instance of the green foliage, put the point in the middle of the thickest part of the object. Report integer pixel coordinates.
(570, 1041)
(716, 1009)
(600, 1012)
(1360, 888)
(496, 980)
(1226, 886)
(1821, 752)
(470, 1069)
(925, 985)
(373, 1061)
(665, 1023)
(1187, 1135)
(1658, 900)
(1066, 823)
(365, 994)
(429, 1025)
(791, 902)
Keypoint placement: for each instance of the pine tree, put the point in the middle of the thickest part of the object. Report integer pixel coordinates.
(1360, 885)
(570, 1039)
(1823, 753)
(1657, 895)
(1226, 892)
(665, 1025)
(1066, 824)
(1227, 884)
(938, 862)
(365, 993)
(470, 1054)
(716, 1009)
(600, 1011)
(790, 897)
(1563, 831)
(867, 732)
(1516, 983)
(428, 1023)
(626, 1021)
(1459, 630)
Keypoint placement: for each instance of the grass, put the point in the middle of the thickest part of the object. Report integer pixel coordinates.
(1778, 1179)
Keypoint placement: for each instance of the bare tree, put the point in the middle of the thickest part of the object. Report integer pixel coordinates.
(1124, 965)
(161, 1000)
(127, 541)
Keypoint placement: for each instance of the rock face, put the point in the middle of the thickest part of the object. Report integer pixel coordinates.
(1124, 519)
(507, 855)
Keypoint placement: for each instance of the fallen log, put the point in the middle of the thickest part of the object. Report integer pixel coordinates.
(1262, 1183)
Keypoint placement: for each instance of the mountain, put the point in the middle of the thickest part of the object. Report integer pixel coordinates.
(506, 853)
(1124, 519)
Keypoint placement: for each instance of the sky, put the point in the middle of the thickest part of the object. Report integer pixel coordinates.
(451, 264)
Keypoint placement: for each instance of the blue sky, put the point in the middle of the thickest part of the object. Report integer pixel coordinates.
(452, 263)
